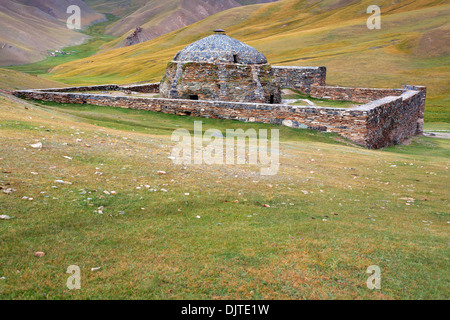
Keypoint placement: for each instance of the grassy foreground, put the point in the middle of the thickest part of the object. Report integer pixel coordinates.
(335, 209)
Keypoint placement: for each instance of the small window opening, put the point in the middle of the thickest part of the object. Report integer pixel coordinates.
(193, 97)
(272, 99)
(235, 58)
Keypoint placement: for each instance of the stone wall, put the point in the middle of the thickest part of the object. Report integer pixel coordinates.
(143, 88)
(361, 95)
(379, 123)
(106, 87)
(392, 119)
(300, 78)
(220, 82)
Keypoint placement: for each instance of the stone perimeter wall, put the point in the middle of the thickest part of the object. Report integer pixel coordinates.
(143, 88)
(377, 124)
(300, 78)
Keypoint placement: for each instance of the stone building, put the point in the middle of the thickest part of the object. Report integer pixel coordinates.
(221, 77)
(220, 68)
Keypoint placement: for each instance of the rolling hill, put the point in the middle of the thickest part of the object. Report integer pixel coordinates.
(151, 19)
(14, 80)
(28, 29)
(126, 7)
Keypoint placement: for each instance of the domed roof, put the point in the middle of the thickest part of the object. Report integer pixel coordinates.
(222, 49)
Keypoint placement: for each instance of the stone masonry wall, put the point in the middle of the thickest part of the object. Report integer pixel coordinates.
(300, 78)
(361, 95)
(375, 125)
(391, 120)
(220, 82)
(143, 88)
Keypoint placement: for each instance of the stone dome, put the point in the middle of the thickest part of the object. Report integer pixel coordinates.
(220, 48)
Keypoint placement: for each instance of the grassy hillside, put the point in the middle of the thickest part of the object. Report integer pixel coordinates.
(14, 80)
(412, 46)
(335, 209)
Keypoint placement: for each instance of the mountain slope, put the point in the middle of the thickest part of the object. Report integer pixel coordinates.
(151, 19)
(28, 29)
(126, 7)
(58, 9)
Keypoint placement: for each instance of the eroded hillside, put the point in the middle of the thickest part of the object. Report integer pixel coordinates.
(28, 29)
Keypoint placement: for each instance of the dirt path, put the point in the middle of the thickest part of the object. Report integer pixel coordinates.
(440, 135)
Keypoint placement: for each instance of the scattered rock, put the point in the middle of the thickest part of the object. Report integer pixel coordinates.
(39, 254)
(266, 206)
(162, 172)
(36, 145)
(62, 182)
(96, 269)
(9, 190)
(5, 217)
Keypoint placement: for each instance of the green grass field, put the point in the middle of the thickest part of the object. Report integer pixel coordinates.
(319, 102)
(335, 209)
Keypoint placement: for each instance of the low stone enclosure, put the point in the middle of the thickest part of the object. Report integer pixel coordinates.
(385, 117)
